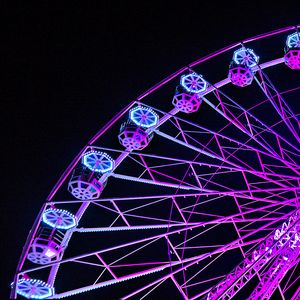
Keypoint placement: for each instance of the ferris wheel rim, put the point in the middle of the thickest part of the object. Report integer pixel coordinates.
(163, 82)
(223, 82)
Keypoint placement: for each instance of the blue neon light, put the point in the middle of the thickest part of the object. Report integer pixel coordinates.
(34, 289)
(245, 56)
(143, 116)
(293, 40)
(193, 83)
(98, 161)
(59, 218)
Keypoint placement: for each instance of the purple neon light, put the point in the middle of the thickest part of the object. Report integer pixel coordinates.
(226, 159)
(292, 59)
(241, 76)
(186, 103)
(285, 237)
(133, 137)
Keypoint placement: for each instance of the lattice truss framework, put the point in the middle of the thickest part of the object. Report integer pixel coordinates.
(193, 200)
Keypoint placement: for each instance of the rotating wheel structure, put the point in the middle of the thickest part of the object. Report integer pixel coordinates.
(196, 197)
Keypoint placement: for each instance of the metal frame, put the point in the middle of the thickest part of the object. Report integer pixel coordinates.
(268, 172)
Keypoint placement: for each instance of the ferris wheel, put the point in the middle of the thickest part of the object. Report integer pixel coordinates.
(191, 191)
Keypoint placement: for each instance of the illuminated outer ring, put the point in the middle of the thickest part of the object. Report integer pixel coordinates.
(98, 161)
(94, 142)
(293, 40)
(59, 218)
(143, 116)
(246, 57)
(34, 289)
(193, 83)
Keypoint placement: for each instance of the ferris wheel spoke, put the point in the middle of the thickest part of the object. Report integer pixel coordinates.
(278, 102)
(296, 295)
(202, 130)
(141, 180)
(272, 168)
(271, 279)
(244, 120)
(156, 237)
(232, 156)
(172, 161)
(194, 261)
(266, 169)
(249, 114)
(124, 228)
(189, 262)
(220, 138)
(290, 283)
(142, 273)
(257, 259)
(267, 195)
(107, 283)
(216, 138)
(241, 217)
(234, 120)
(213, 156)
(279, 154)
(135, 213)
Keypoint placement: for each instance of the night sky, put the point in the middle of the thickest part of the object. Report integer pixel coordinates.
(71, 68)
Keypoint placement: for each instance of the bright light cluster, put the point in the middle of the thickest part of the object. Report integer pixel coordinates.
(246, 57)
(193, 83)
(288, 234)
(34, 289)
(50, 253)
(59, 218)
(143, 116)
(98, 161)
(293, 237)
(293, 40)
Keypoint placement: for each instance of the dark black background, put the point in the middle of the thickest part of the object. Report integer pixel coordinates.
(70, 67)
